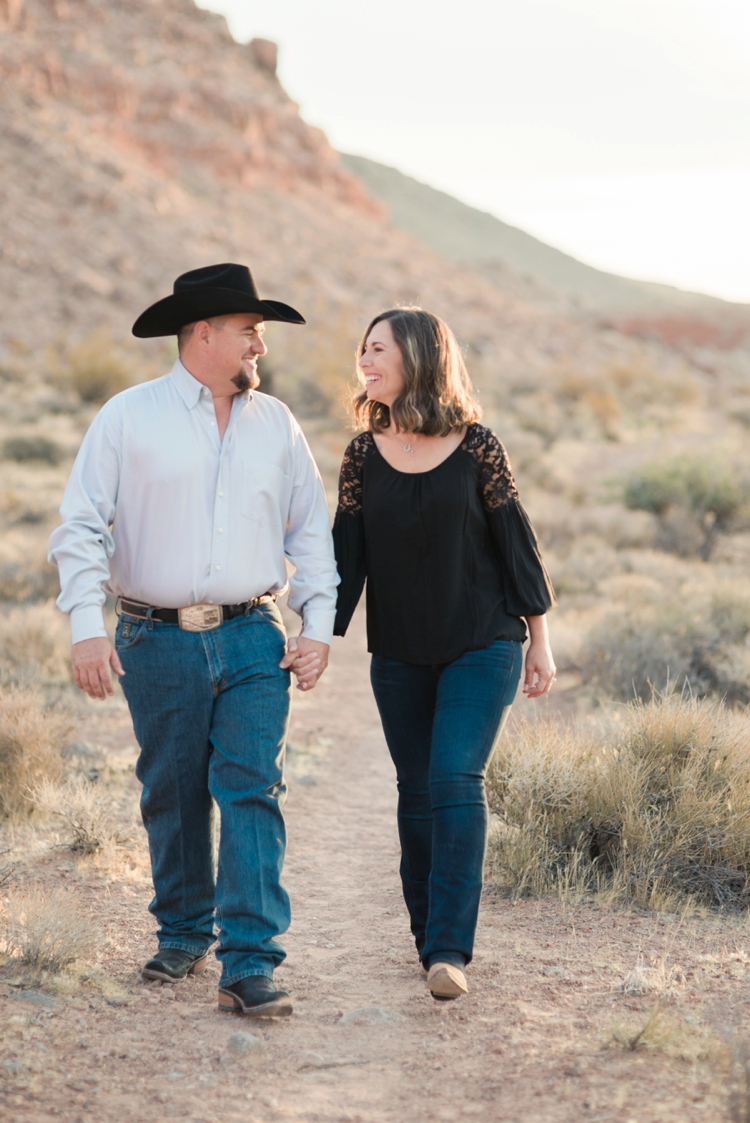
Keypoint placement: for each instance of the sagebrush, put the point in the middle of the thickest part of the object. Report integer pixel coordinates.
(47, 930)
(34, 647)
(86, 810)
(693, 636)
(651, 808)
(95, 367)
(32, 736)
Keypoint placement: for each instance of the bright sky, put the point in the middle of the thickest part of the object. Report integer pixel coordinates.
(617, 130)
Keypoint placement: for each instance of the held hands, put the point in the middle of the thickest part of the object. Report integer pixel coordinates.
(93, 661)
(307, 658)
(540, 670)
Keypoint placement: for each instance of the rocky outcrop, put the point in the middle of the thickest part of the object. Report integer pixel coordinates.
(139, 140)
(166, 82)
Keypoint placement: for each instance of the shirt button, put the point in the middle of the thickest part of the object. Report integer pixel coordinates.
(213, 422)
(221, 494)
(220, 529)
(218, 567)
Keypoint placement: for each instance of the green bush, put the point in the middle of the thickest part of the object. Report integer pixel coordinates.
(653, 809)
(22, 449)
(709, 495)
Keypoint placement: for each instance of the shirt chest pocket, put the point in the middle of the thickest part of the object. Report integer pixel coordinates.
(265, 493)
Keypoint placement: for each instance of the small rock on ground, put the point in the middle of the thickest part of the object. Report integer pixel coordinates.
(241, 1044)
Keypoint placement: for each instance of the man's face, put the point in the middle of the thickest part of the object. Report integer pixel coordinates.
(236, 345)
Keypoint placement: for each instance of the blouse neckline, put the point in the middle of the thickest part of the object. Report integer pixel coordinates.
(427, 471)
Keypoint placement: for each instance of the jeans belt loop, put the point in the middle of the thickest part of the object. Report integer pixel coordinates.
(149, 621)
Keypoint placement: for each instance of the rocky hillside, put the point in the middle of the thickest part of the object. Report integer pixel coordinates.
(138, 140)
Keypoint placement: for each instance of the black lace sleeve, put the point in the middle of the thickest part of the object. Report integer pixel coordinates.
(349, 533)
(528, 587)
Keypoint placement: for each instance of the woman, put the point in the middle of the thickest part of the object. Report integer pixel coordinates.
(429, 514)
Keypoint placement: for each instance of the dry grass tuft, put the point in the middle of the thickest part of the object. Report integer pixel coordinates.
(739, 1084)
(32, 736)
(653, 810)
(96, 367)
(6, 868)
(47, 931)
(87, 811)
(34, 647)
(25, 573)
(636, 1039)
(669, 1034)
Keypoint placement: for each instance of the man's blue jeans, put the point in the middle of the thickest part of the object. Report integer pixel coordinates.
(441, 725)
(210, 712)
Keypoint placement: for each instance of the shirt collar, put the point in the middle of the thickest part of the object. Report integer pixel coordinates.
(190, 388)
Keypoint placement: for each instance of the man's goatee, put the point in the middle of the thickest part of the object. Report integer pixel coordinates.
(241, 381)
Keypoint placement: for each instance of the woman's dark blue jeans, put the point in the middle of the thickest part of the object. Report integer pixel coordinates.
(441, 725)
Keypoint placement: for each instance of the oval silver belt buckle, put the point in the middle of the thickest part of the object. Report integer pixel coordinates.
(200, 617)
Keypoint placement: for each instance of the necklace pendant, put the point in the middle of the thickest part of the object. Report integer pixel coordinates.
(409, 449)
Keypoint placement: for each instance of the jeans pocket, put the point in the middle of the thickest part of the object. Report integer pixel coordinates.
(129, 632)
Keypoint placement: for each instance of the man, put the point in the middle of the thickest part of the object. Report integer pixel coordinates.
(187, 495)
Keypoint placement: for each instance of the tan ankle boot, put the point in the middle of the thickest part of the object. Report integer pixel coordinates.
(445, 980)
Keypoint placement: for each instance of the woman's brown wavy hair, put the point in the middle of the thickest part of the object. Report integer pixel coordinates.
(438, 396)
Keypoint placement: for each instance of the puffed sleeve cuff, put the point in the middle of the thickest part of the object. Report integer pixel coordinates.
(87, 622)
(318, 624)
(349, 546)
(528, 589)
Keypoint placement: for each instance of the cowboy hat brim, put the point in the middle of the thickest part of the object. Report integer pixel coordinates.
(167, 316)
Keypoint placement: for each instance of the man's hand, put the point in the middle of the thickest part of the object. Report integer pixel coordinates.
(92, 659)
(307, 658)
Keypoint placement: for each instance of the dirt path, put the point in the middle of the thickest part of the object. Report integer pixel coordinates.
(532, 1042)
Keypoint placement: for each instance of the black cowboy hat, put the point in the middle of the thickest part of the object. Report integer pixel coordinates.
(215, 290)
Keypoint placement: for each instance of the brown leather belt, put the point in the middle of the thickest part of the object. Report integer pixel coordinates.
(195, 618)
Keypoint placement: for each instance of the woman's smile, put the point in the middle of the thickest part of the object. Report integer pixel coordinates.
(380, 365)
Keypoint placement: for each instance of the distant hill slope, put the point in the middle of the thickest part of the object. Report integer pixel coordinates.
(474, 238)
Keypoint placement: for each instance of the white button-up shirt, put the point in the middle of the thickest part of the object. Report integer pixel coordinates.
(160, 509)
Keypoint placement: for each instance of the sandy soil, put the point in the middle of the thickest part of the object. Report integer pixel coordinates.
(533, 1041)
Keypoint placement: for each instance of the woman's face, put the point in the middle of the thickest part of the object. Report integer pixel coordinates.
(380, 365)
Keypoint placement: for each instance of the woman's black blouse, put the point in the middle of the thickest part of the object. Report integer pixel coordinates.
(450, 557)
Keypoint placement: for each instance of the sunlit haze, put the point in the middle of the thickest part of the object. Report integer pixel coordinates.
(616, 131)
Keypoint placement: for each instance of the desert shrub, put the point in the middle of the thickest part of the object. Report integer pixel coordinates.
(34, 647)
(47, 929)
(694, 499)
(313, 375)
(696, 638)
(25, 573)
(95, 368)
(86, 810)
(651, 809)
(17, 509)
(31, 739)
(35, 447)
